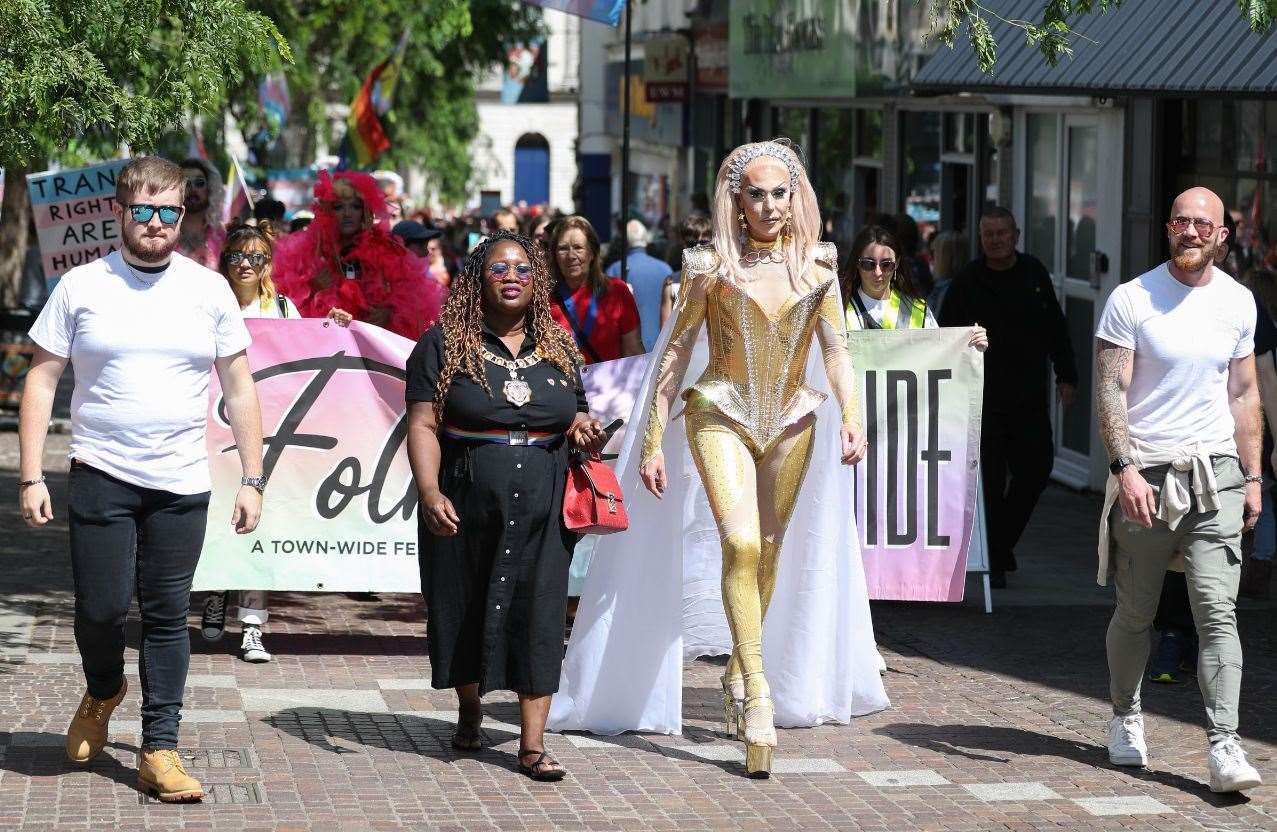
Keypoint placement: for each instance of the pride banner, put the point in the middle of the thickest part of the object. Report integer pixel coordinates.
(604, 11)
(916, 490)
(341, 508)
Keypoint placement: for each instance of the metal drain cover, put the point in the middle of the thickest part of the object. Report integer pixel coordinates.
(218, 758)
(222, 794)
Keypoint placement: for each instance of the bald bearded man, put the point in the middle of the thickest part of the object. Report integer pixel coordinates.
(1179, 412)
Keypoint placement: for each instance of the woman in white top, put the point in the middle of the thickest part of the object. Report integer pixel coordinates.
(245, 262)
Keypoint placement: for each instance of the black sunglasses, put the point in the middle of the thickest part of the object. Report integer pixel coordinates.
(868, 264)
(169, 214)
(255, 259)
(197, 181)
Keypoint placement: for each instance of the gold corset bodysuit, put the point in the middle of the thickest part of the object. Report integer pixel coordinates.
(757, 363)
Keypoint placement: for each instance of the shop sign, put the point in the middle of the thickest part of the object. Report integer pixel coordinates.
(792, 49)
(711, 57)
(665, 69)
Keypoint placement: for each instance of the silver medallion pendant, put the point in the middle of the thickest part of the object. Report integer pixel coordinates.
(517, 392)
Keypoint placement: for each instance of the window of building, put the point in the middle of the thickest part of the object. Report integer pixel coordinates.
(833, 177)
(920, 168)
(1229, 146)
(532, 169)
(1042, 187)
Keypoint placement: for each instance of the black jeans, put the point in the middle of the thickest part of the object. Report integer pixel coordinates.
(1016, 458)
(124, 536)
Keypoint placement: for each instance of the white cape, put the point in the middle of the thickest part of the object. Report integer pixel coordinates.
(652, 595)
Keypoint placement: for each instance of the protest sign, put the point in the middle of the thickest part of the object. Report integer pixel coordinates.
(73, 216)
(916, 488)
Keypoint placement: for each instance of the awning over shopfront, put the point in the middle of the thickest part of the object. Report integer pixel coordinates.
(1144, 46)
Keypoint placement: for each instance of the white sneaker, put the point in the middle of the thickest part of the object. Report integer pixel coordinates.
(1126, 741)
(213, 621)
(882, 663)
(250, 648)
(1229, 771)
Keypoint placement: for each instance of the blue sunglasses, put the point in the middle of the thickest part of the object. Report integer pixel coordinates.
(169, 214)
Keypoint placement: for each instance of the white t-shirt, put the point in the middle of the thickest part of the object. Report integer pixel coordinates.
(1184, 339)
(142, 346)
(255, 310)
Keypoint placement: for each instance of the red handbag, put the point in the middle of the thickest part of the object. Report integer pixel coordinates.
(593, 502)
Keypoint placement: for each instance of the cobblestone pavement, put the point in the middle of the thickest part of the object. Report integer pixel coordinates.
(997, 722)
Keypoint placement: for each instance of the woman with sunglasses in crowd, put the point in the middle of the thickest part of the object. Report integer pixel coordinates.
(878, 295)
(494, 404)
(245, 262)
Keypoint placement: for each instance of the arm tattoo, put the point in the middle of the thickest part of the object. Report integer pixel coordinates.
(1112, 364)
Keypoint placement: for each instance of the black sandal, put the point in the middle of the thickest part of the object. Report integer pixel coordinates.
(553, 775)
(469, 735)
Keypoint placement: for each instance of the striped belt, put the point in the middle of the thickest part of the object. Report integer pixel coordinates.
(503, 437)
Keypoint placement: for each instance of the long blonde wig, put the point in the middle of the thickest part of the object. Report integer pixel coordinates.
(805, 226)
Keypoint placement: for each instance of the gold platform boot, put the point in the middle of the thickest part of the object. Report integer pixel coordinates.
(759, 723)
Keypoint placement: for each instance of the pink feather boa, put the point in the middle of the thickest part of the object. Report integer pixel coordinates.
(390, 276)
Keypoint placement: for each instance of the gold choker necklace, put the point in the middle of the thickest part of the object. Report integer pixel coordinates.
(757, 251)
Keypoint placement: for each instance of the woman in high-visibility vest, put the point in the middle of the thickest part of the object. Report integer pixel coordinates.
(876, 293)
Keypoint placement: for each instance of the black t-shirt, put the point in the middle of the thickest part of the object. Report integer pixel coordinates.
(556, 398)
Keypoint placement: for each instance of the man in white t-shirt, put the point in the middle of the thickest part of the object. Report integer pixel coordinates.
(1178, 407)
(144, 328)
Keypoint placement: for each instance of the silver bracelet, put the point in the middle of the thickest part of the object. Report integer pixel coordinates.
(1254, 478)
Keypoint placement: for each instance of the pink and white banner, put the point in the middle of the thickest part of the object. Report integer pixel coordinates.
(916, 490)
(341, 507)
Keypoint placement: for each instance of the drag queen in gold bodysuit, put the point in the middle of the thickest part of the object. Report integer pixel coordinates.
(767, 422)
(766, 289)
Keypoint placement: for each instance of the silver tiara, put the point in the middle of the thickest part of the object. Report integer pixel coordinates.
(754, 151)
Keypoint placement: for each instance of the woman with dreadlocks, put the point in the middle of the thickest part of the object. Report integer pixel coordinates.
(494, 400)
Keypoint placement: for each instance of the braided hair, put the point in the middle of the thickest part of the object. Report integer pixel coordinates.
(463, 314)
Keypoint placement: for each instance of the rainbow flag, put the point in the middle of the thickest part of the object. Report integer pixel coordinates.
(604, 11)
(365, 136)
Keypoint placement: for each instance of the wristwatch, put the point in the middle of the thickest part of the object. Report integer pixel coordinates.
(1118, 464)
(256, 482)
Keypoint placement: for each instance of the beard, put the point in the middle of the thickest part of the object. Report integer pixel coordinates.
(195, 203)
(148, 249)
(1196, 259)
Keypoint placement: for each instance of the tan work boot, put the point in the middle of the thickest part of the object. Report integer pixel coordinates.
(86, 735)
(162, 774)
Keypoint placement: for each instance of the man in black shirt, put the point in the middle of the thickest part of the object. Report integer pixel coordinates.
(1011, 294)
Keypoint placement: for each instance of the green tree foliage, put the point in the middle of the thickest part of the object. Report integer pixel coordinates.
(336, 43)
(118, 72)
(1052, 35)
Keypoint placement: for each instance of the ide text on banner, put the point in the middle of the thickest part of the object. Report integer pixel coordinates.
(917, 489)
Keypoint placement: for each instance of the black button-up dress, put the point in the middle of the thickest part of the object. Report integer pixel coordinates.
(496, 592)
